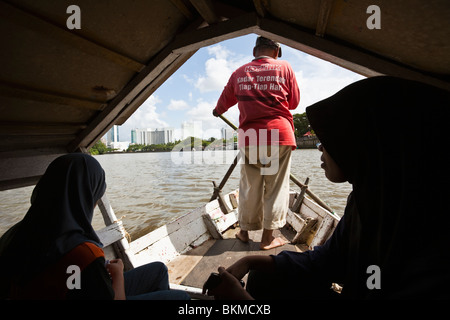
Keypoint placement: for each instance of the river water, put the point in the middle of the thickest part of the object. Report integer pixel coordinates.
(147, 190)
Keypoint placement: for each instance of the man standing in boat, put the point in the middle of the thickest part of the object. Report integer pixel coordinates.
(265, 90)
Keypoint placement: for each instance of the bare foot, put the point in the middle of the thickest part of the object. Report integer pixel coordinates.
(276, 242)
(242, 235)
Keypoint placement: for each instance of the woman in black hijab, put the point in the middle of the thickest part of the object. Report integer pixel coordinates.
(59, 220)
(387, 137)
(56, 233)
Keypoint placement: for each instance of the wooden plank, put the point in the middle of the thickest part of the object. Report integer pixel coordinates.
(299, 199)
(173, 244)
(324, 14)
(295, 221)
(307, 232)
(217, 221)
(182, 265)
(226, 252)
(16, 143)
(260, 7)
(111, 233)
(323, 232)
(22, 16)
(215, 257)
(24, 167)
(235, 27)
(206, 10)
(212, 228)
(183, 8)
(38, 128)
(166, 230)
(13, 90)
(121, 247)
(318, 209)
(176, 237)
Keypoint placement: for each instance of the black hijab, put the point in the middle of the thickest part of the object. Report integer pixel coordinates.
(59, 219)
(389, 136)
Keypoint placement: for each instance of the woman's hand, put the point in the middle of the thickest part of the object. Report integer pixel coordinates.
(115, 270)
(115, 267)
(229, 288)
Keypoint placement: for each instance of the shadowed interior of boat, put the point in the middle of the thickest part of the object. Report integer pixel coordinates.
(193, 268)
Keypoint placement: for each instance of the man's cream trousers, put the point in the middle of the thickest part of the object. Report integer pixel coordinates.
(264, 187)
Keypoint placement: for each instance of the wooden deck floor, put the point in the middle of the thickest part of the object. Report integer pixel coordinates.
(193, 268)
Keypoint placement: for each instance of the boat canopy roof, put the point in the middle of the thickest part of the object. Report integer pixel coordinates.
(63, 88)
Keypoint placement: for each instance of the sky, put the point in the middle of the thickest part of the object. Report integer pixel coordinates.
(191, 93)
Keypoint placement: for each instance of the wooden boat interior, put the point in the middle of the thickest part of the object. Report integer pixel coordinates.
(197, 243)
(63, 88)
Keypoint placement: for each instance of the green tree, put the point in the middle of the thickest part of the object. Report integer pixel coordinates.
(98, 148)
(301, 124)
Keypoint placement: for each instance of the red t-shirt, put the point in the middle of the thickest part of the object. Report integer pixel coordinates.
(265, 90)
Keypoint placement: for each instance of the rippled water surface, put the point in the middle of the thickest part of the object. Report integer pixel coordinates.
(148, 190)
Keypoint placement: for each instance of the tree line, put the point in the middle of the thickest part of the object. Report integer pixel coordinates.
(301, 125)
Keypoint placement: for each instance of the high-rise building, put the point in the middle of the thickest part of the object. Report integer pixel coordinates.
(112, 140)
(133, 136)
(191, 129)
(227, 133)
(112, 136)
(149, 136)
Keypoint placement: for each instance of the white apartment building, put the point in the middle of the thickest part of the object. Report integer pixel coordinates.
(191, 129)
(112, 136)
(149, 136)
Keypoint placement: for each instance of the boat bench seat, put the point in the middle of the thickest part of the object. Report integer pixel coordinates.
(112, 233)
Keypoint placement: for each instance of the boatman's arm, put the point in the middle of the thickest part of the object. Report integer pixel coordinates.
(227, 99)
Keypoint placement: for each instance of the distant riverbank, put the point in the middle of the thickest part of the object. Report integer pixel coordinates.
(307, 142)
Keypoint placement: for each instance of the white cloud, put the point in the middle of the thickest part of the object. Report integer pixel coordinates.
(219, 51)
(218, 69)
(144, 117)
(202, 112)
(318, 79)
(177, 105)
(210, 125)
(316, 88)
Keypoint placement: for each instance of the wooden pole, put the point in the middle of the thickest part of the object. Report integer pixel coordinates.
(228, 122)
(121, 246)
(310, 193)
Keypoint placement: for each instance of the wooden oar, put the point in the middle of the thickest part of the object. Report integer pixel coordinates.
(228, 122)
(292, 177)
(310, 193)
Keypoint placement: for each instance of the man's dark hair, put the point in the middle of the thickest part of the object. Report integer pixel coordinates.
(262, 42)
